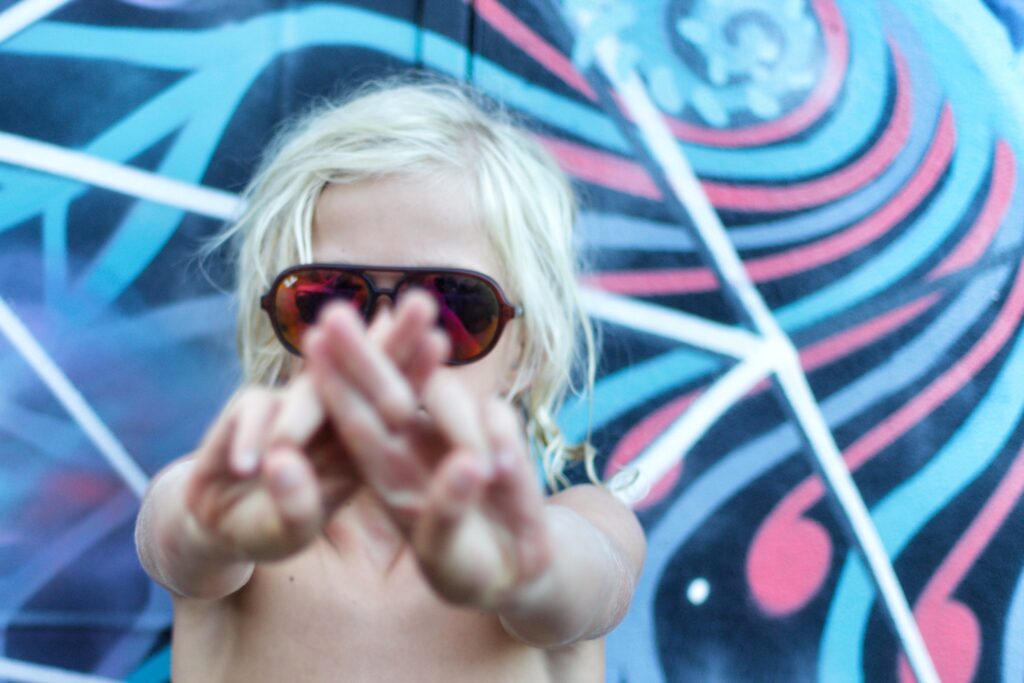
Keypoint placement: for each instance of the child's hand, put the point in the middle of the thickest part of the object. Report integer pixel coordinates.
(455, 478)
(252, 487)
(479, 532)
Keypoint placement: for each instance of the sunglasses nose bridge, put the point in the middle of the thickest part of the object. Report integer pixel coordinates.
(382, 296)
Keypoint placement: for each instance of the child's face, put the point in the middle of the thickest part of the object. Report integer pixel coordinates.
(399, 221)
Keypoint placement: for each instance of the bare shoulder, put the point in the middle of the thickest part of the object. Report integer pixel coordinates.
(610, 515)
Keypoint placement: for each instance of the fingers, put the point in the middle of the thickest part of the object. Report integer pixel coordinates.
(270, 516)
(254, 410)
(409, 339)
(516, 492)
(429, 355)
(455, 545)
(413, 320)
(293, 486)
(457, 415)
(390, 468)
(455, 489)
(230, 448)
(301, 415)
(364, 364)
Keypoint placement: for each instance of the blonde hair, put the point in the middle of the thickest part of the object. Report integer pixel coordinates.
(405, 128)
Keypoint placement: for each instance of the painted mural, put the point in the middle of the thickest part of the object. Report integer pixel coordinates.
(862, 159)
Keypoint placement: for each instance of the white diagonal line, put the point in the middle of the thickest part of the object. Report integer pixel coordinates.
(29, 672)
(664, 148)
(56, 160)
(23, 14)
(72, 400)
(671, 447)
(671, 324)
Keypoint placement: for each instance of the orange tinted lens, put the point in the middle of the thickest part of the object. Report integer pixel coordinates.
(302, 294)
(468, 311)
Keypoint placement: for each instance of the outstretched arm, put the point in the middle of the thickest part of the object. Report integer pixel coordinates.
(247, 493)
(598, 549)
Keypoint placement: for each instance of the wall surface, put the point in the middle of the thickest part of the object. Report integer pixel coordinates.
(862, 156)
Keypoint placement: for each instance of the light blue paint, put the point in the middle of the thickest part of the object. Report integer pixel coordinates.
(444, 54)
(148, 226)
(581, 120)
(55, 252)
(1013, 645)
(628, 388)
(970, 33)
(930, 229)
(156, 669)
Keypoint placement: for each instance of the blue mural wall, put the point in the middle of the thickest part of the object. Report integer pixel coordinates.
(863, 156)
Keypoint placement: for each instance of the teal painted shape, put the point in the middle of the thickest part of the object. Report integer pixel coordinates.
(156, 669)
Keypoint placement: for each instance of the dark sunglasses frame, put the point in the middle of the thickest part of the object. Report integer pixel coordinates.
(506, 310)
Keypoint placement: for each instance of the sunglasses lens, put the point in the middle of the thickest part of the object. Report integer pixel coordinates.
(302, 295)
(469, 311)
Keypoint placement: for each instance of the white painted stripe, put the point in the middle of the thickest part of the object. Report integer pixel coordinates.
(665, 149)
(837, 477)
(670, 323)
(672, 446)
(22, 15)
(56, 160)
(28, 672)
(72, 400)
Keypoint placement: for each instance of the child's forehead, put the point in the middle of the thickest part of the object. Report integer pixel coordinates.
(398, 220)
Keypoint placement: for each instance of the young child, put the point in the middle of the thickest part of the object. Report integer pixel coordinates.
(365, 508)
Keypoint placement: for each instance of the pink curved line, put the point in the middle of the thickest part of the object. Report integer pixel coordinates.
(984, 527)
(908, 416)
(849, 341)
(645, 431)
(837, 58)
(601, 168)
(522, 36)
(991, 216)
(804, 258)
(938, 592)
(801, 195)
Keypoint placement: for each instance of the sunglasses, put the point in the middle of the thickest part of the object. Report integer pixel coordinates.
(472, 309)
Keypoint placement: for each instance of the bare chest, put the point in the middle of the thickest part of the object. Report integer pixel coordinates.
(319, 617)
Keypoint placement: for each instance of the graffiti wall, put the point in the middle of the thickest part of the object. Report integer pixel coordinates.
(861, 157)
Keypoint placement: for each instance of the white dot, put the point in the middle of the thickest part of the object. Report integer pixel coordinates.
(698, 591)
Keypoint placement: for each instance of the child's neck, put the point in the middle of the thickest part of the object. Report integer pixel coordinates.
(362, 527)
